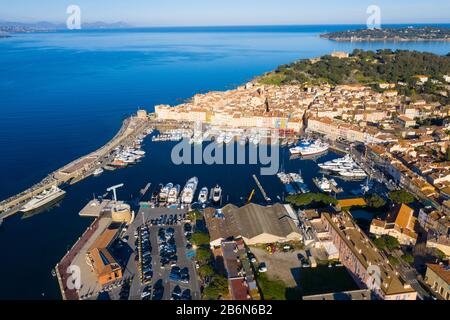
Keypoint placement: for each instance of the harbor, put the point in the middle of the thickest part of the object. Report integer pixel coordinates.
(159, 171)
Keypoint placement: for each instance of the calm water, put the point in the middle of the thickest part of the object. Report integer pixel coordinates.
(64, 94)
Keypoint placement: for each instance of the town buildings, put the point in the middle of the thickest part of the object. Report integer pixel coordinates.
(369, 267)
(438, 278)
(400, 223)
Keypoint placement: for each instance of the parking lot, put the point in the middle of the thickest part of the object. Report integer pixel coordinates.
(160, 267)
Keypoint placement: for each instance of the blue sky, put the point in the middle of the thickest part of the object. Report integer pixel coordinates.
(228, 12)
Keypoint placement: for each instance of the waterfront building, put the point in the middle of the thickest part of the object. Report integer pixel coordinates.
(100, 259)
(255, 224)
(369, 267)
(363, 294)
(440, 241)
(232, 260)
(400, 223)
(438, 278)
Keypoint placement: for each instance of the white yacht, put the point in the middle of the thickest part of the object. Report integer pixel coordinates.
(354, 173)
(243, 140)
(187, 195)
(220, 139)
(203, 196)
(308, 148)
(323, 184)
(216, 194)
(98, 171)
(228, 138)
(43, 198)
(165, 192)
(173, 194)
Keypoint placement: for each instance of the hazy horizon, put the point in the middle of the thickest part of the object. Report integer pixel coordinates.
(178, 13)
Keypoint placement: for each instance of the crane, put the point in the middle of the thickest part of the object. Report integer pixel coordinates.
(113, 189)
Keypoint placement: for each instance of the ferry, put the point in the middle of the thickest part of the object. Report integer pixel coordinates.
(165, 192)
(43, 198)
(187, 195)
(173, 194)
(216, 194)
(203, 196)
(308, 148)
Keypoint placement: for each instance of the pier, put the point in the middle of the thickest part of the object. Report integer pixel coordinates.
(263, 192)
(81, 168)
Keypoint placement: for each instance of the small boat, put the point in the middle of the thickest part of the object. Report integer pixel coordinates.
(98, 171)
(203, 196)
(53, 273)
(216, 194)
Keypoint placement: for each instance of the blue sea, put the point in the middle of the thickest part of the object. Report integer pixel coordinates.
(64, 94)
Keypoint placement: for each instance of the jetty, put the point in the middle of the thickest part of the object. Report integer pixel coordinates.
(263, 192)
(81, 168)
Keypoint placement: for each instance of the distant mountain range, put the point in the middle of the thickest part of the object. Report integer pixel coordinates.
(13, 27)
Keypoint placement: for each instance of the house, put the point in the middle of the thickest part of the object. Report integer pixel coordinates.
(100, 259)
(400, 223)
(406, 122)
(438, 278)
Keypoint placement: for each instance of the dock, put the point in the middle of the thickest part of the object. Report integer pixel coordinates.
(79, 169)
(263, 192)
(143, 192)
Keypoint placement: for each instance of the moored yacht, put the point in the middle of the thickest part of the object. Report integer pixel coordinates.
(216, 194)
(98, 171)
(43, 198)
(165, 192)
(173, 194)
(203, 196)
(308, 148)
(187, 195)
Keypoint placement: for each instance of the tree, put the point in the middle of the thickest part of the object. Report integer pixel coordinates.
(203, 254)
(200, 239)
(206, 271)
(375, 201)
(391, 242)
(386, 242)
(216, 288)
(308, 198)
(408, 258)
(401, 196)
(447, 154)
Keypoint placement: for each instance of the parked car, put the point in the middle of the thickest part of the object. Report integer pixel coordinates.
(262, 267)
